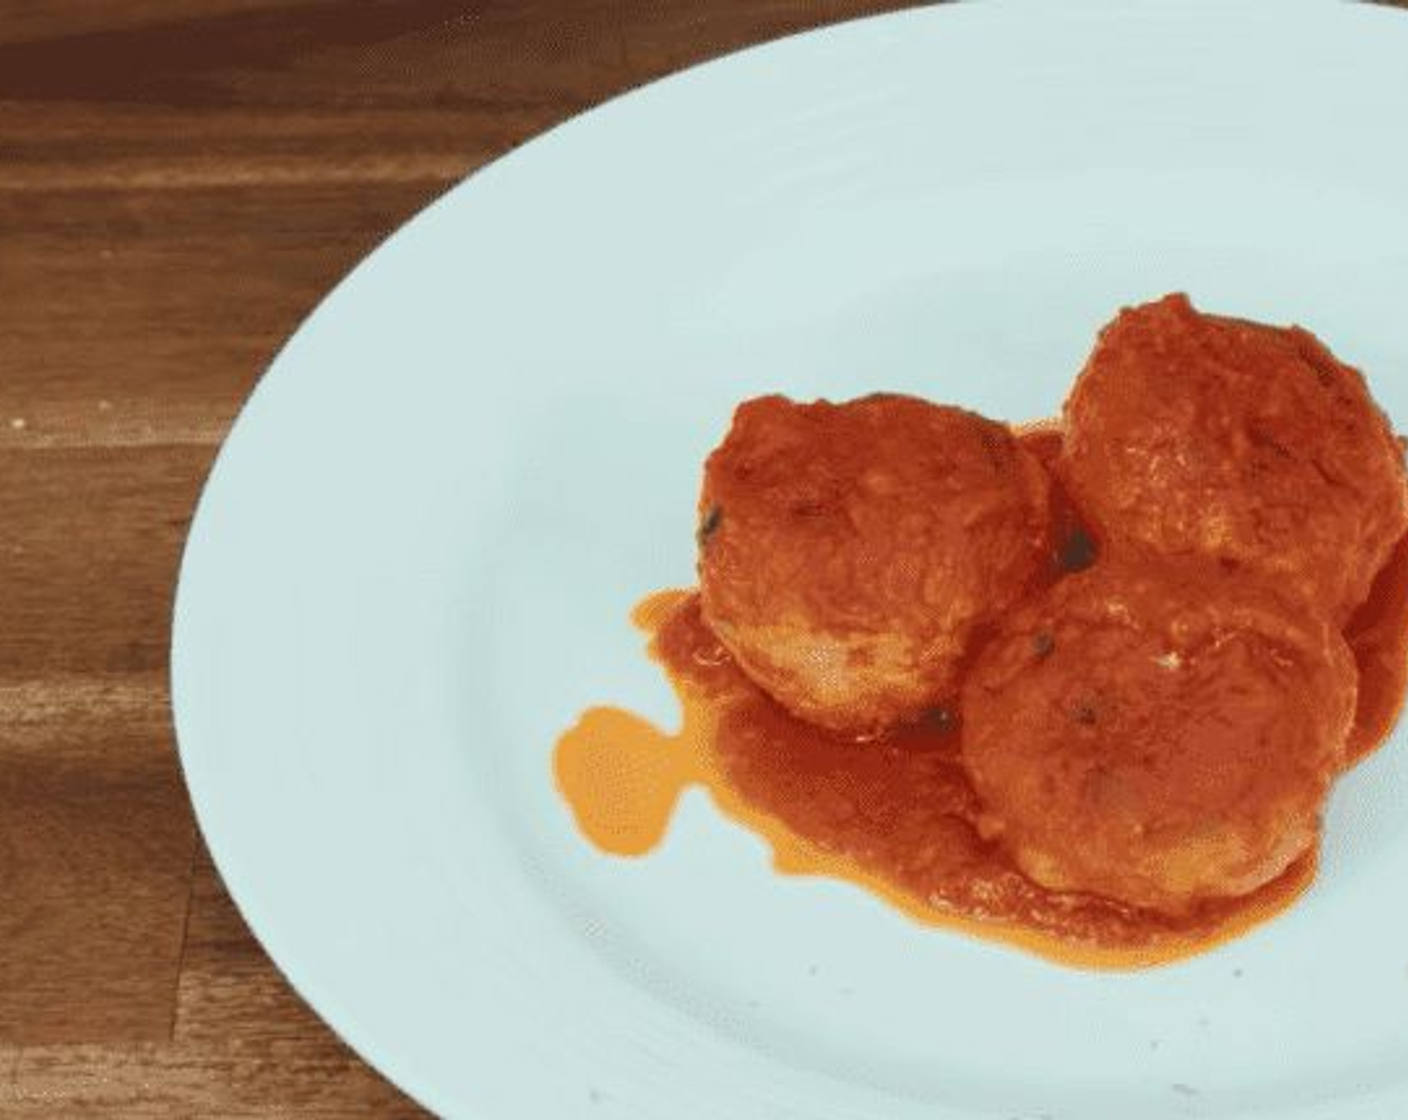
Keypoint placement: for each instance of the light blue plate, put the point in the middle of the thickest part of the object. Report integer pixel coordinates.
(413, 564)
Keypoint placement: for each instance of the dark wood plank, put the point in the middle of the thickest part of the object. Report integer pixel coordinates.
(441, 53)
(95, 828)
(95, 855)
(93, 537)
(99, 353)
(180, 58)
(23, 21)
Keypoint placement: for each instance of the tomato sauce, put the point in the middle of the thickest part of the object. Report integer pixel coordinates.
(897, 816)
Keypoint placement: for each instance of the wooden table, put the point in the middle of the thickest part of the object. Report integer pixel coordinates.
(180, 181)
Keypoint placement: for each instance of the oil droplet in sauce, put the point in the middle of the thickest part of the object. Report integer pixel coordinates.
(898, 817)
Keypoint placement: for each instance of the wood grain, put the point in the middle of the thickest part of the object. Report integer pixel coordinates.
(95, 851)
(103, 354)
(27, 20)
(180, 182)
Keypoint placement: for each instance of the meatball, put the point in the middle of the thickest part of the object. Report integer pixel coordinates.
(1157, 734)
(1194, 434)
(849, 552)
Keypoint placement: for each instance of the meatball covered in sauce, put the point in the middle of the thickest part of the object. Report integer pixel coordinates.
(1157, 734)
(849, 552)
(1199, 435)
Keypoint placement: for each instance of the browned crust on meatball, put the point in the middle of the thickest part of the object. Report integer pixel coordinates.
(849, 552)
(1158, 734)
(1193, 434)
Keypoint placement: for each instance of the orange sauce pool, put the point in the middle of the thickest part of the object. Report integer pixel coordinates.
(897, 816)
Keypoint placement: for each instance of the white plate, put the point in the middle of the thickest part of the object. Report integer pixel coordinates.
(413, 564)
